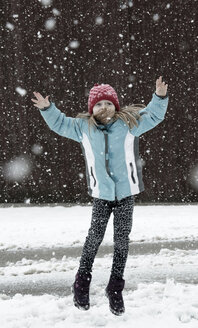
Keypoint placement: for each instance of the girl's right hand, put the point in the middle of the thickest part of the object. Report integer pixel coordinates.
(161, 87)
(40, 102)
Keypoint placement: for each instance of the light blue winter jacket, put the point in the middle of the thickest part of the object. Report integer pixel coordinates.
(113, 165)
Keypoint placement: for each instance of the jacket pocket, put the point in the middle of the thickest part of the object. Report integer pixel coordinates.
(132, 171)
(93, 176)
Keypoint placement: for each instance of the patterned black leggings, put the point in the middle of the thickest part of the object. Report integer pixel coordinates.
(101, 211)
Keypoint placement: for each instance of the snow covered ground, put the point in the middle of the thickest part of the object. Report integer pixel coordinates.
(161, 287)
(30, 227)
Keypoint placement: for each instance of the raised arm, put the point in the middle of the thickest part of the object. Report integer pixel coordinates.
(155, 111)
(56, 120)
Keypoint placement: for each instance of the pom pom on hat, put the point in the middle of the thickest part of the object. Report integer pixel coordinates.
(102, 92)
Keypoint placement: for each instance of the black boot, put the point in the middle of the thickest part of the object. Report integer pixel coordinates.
(114, 293)
(80, 289)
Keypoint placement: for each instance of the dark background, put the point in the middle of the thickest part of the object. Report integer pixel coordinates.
(127, 44)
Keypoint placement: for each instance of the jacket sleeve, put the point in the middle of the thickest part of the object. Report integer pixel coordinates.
(151, 115)
(61, 124)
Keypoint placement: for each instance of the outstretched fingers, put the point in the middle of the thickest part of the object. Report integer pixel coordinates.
(34, 100)
(159, 81)
(38, 95)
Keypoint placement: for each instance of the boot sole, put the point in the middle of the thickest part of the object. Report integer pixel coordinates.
(111, 309)
(80, 307)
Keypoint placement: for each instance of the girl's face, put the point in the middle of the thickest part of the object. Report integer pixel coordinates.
(103, 111)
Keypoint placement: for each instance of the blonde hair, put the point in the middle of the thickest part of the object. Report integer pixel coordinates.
(128, 114)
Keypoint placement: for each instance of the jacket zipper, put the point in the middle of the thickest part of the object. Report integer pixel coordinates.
(132, 176)
(106, 151)
(93, 176)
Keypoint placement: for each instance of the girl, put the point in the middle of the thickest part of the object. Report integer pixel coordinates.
(109, 140)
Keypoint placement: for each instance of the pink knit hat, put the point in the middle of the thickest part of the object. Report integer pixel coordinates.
(102, 92)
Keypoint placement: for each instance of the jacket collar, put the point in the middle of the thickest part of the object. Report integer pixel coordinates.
(105, 126)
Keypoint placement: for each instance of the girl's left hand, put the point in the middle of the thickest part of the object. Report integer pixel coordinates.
(40, 101)
(161, 87)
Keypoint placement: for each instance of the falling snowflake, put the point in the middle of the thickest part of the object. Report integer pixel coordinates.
(155, 17)
(10, 26)
(99, 20)
(193, 177)
(27, 200)
(56, 12)
(17, 169)
(74, 44)
(46, 2)
(50, 24)
(37, 149)
(21, 91)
